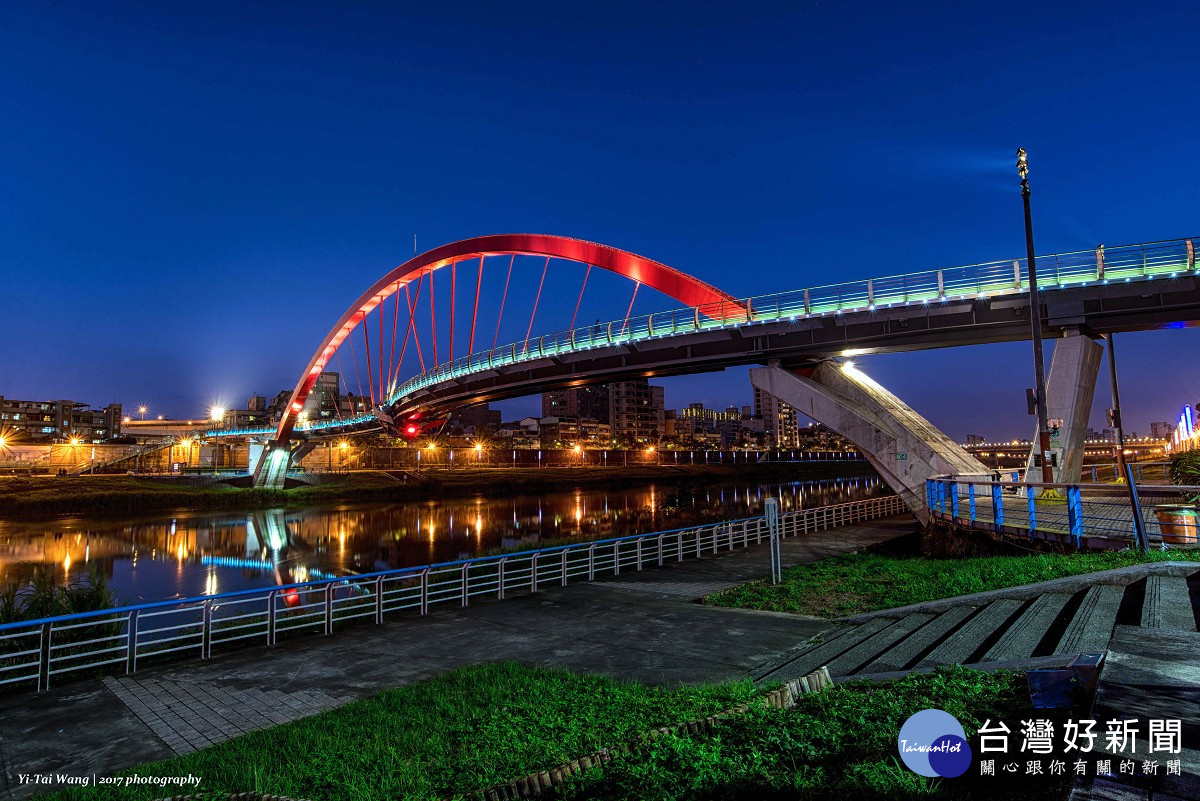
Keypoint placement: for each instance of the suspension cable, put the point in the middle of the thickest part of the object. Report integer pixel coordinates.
(536, 298)
(503, 297)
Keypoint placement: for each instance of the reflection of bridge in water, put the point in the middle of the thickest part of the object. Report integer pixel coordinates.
(199, 554)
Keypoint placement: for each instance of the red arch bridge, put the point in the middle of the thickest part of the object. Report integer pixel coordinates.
(467, 323)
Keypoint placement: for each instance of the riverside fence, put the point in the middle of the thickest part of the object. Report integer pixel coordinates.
(37, 653)
(1088, 516)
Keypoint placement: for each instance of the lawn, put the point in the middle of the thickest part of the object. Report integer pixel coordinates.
(463, 730)
(865, 581)
(835, 744)
(479, 726)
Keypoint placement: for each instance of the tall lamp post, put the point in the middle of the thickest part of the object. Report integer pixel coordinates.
(1035, 316)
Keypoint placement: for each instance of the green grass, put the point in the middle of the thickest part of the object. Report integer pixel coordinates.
(460, 731)
(836, 744)
(480, 726)
(864, 581)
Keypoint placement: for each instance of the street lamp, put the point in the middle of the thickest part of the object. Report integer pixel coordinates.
(1035, 319)
(142, 412)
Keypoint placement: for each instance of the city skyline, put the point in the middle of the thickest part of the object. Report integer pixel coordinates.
(210, 189)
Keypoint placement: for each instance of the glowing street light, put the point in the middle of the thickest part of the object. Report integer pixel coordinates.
(142, 412)
(216, 414)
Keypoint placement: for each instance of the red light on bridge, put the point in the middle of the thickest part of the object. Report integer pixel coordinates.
(411, 429)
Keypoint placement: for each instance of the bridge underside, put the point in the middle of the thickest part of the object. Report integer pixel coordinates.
(903, 447)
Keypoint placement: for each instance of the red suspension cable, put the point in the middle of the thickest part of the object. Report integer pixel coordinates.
(392, 357)
(453, 284)
(367, 348)
(636, 286)
(588, 272)
(475, 312)
(412, 320)
(503, 297)
(536, 298)
(432, 319)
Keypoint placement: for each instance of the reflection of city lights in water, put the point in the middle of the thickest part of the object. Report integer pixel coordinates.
(373, 537)
(210, 582)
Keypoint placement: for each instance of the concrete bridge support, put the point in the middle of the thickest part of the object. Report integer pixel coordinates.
(272, 461)
(1069, 389)
(903, 447)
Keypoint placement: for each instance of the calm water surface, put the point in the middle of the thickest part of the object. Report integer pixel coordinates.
(189, 554)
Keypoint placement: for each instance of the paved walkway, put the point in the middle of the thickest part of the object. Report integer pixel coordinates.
(642, 626)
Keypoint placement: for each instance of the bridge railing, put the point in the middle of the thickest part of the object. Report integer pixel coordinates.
(1083, 515)
(1125, 263)
(39, 653)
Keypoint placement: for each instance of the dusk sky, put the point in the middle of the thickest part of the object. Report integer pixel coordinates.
(191, 194)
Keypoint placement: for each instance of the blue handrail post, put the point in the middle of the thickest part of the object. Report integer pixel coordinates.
(1031, 497)
(1075, 514)
(929, 493)
(971, 500)
(941, 497)
(997, 505)
(953, 499)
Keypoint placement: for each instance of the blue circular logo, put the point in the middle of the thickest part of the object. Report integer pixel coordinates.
(932, 743)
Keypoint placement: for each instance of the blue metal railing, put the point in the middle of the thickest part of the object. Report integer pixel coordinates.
(35, 652)
(1074, 513)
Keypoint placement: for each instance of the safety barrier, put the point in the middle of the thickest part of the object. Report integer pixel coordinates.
(38, 652)
(1108, 515)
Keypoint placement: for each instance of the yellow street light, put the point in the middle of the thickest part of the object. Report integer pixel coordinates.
(578, 448)
(74, 441)
(343, 445)
(216, 414)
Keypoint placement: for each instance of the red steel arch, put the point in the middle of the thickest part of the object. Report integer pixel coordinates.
(690, 291)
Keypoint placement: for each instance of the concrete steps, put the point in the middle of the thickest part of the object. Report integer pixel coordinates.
(970, 638)
(1092, 626)
(920, 638)
(1023, 636)
(1167, 604)
(912, 646)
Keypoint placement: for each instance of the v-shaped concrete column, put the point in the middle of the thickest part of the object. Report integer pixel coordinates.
(1070, 387)
(903, 447)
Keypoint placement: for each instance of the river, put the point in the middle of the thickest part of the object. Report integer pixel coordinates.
(158, 557)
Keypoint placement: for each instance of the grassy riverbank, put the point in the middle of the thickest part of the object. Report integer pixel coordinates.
(866, 581)
(480, 726)
(116, 495)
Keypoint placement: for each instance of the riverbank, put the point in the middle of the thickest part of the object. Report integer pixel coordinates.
(116, 495)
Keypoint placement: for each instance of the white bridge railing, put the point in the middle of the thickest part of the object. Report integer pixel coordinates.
(36, 653)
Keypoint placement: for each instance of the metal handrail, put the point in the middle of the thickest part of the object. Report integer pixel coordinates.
(131, 633)
(987, 279)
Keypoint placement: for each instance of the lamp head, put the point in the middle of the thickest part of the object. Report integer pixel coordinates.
(1022, 163)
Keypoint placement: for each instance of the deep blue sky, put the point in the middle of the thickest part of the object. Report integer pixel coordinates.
(190, 194)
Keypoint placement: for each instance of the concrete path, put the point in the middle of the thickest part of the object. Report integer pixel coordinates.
(1036, 625)
(642, 626)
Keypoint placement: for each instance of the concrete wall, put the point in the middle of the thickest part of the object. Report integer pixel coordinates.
(1069, 388)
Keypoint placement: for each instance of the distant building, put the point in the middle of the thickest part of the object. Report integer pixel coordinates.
(1162, 430)
(636, 411)
(591, 402)
(779, 419)
(474, 420)
(60, 420)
